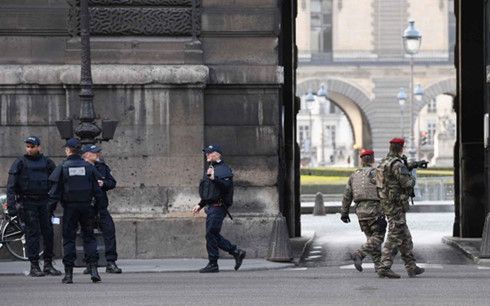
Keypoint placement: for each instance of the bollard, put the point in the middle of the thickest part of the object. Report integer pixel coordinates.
(279, 246)
(319, 209)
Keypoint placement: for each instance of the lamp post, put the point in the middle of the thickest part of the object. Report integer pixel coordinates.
(87, 129)
(411, 42)
(402, 99)
(322, 93)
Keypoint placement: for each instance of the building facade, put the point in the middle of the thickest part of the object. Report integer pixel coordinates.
(355, 49)
(176, 77)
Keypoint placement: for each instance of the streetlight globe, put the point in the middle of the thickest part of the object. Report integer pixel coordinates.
(322, 92)
(402, 97)
(411, 38)
(418, 92)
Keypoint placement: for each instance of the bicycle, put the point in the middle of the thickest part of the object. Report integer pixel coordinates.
(12, 233)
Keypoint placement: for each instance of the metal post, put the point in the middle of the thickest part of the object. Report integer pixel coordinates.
(87, 130)
(411, 150)
(402, 123)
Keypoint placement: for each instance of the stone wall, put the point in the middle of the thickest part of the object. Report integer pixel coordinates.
(171, 95)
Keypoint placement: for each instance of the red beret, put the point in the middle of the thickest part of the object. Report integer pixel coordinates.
(365, 152)
(399, 141)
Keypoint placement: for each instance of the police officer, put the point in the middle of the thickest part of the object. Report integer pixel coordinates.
(395, 183)
(27, 191)
(218, 177)
(93, 155)
(361, 189)
(75, 184)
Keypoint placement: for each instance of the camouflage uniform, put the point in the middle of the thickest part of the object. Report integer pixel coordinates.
(395, 182)
(361, 189)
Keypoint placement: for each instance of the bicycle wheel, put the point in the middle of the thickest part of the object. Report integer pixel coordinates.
(14, 239)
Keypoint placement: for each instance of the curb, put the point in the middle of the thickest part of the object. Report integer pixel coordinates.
(470, 251)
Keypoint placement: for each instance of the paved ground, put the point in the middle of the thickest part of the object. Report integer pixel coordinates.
(450, 285)
(450, 279)
(337, 239)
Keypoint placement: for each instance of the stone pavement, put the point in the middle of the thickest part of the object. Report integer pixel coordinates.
(470, 247)
(156, 265)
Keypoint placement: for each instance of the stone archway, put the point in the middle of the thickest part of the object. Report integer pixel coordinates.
(447, 86)
(353, 101)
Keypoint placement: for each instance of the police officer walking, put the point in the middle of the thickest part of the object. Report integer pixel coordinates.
(75, 184)
(216, 191)
(27, 195)
(93, 155)
(395, 183)
(361, 188)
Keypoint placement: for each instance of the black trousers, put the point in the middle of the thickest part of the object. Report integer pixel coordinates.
(37, 221)
(74, 214)
(214, 240)
(108, 229)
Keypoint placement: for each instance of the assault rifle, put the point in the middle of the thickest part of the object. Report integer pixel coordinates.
(422, 164)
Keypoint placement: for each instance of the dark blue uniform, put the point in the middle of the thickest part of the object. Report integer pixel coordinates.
(216, 212)
(75, 185)
(28, 186)
(105, 219)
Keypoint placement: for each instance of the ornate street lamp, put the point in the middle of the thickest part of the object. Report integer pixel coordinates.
(418, 92)
(87, 130)
(411, 41)
(402, 99)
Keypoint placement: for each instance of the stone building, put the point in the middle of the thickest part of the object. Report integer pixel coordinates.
(176, 79)
(355, 48)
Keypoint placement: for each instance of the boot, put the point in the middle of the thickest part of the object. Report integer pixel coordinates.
(68, 279)
(357, 258)
(94, 274)
(212, 267)
(35, 269)
(112, 268)
(48, 268)
(415, 271)
(239, 256)
(387, 273)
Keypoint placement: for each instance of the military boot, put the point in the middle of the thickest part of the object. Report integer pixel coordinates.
(212, 267)
(387, 273)
(239, 256)
(112, 268)
(68, 279)
(35, 269)
(48, 268)
(94, 274)
(357, 258)
(413, 272)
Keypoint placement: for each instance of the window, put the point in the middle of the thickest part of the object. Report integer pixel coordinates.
(431, 131)
(304, 137)
(432, 106)
(321, 26)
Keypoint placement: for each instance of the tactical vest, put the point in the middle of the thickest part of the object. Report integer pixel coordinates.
(77, 181)
(208, 191)
(34, 176)
(362, 187)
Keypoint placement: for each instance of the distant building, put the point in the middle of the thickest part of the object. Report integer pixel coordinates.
(355, 48)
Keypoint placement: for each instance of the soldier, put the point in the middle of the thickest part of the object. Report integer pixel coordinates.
(218, 179)
(27, 191)
(361, 189)
(395, 183)
(75, 184)
(93, 155)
